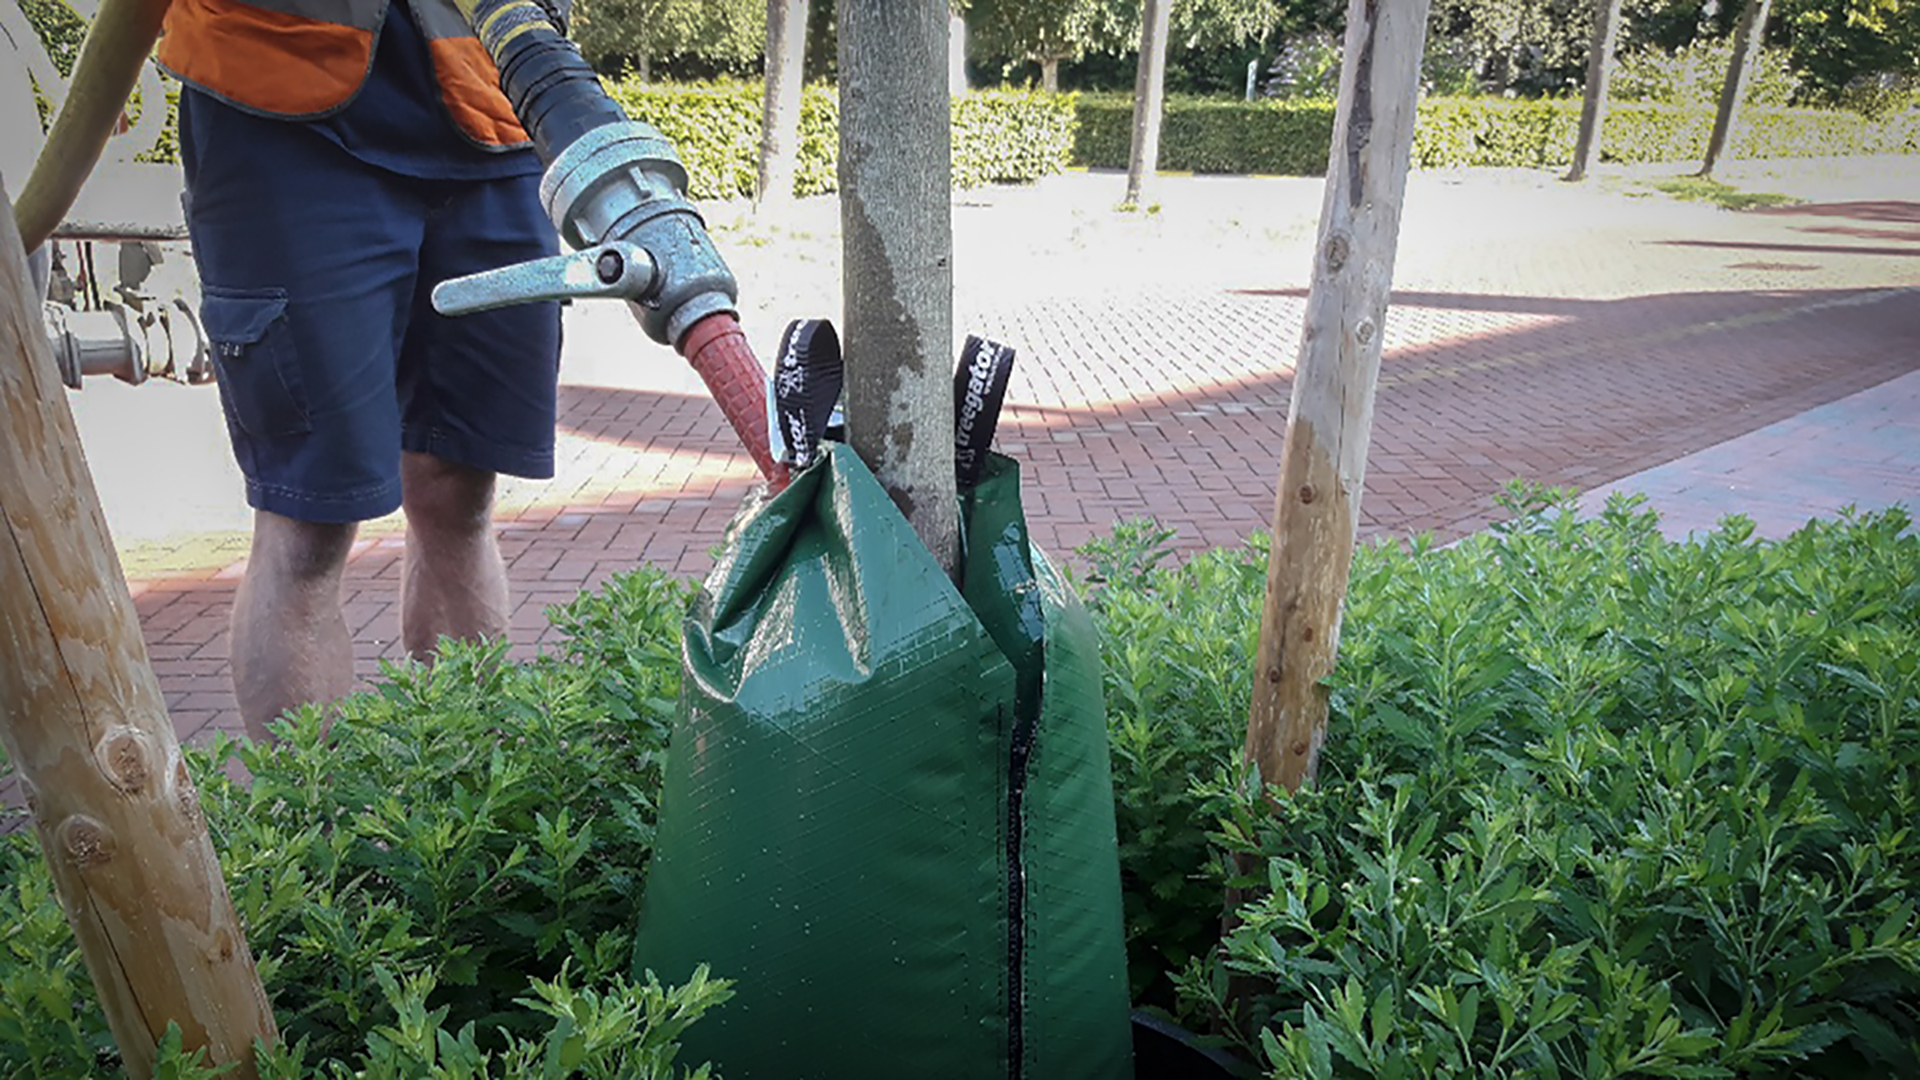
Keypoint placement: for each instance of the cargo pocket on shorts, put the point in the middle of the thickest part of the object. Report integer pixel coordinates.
(255, 362)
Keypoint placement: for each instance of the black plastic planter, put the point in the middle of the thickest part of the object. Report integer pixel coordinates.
(1164, 1051)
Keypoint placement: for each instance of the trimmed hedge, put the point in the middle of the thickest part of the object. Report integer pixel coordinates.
(1281, 137)
(1291, 138)
(998, 136)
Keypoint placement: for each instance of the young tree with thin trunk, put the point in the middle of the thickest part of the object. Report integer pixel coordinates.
(1593, 108)
(780, 115)
(1323, 461)
(83, 721)
(1149, 98)
(896, 216)
(957, 52)
(1746, 45)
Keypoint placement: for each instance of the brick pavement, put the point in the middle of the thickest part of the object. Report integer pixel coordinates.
(1571, 336)
(1785, 473)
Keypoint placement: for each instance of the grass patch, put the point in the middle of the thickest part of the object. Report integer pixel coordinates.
(1725, 196)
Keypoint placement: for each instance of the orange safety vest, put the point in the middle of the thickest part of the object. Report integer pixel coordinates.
(305, 59)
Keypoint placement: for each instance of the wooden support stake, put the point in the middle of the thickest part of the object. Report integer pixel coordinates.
(82, 718)
(1323, 462)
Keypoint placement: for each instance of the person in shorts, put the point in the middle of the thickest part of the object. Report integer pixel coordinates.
(343, 157)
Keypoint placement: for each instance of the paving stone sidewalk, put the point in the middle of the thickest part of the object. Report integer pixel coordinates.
(1571, 335)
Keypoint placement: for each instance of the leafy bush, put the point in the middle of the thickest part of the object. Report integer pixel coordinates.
(1292, 137)
(60, 30)
(443, 887)
(1593, 804)
(1010, 136)
(1307, 67)
(1694, 75)
(1881, 97)
(1288, 137)
(998, 136)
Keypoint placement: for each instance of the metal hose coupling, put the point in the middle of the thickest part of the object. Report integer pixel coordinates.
(609, 178)
(624, 182)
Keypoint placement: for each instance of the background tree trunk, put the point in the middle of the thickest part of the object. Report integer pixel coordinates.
(780, 116)
(896, 217)
(1323, 461)
(1149, 98)
(956, 53)
(1746, 42)
(1050, 74)
(82, 718)
(1593, 108)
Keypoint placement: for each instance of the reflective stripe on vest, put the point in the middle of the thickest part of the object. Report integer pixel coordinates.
(306, 59)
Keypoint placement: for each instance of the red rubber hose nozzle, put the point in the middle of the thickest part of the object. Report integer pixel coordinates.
(717, 348)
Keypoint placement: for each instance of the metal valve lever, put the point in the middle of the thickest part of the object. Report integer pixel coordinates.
(616, 270)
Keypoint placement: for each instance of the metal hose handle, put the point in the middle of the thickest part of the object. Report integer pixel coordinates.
(116, 47)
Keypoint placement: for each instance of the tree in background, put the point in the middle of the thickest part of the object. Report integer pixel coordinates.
(1746, 43)
(699, 38)
(1149, 98)
(1844, 48)
(1521, 47)
(1593, 107)
(780, 113)
(1207, 24)
(1047, 32)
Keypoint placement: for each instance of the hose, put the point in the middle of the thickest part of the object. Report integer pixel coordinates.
(116, 47)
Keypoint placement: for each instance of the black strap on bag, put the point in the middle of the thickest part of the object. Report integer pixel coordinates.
(979, 390)
(806, 387)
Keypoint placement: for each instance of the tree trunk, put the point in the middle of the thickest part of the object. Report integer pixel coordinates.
(780, 115)
(82, 717)
(1149, 98)
(1323, 461)
(1050, 74)
(956, 53)
(1593, 109)
(1746, 43)
(896, 216)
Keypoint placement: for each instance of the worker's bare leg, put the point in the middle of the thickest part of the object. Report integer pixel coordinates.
(454, 583)
(290, 644)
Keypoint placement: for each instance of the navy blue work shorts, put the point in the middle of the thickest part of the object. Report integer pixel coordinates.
(315, 273)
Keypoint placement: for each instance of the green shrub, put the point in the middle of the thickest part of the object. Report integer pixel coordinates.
(998, 136)
(1009, 136)
(1280, 137)
(1292, 138)
(60, 30)
(444, 887)
(1592, 804)
(1692, 76)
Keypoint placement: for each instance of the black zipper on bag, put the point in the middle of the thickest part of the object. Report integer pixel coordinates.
(1022, 753)
(979, 391)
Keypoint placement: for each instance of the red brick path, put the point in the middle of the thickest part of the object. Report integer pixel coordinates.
(1568, 339)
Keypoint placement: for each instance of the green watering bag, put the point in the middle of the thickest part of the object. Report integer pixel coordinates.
(888, 812)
